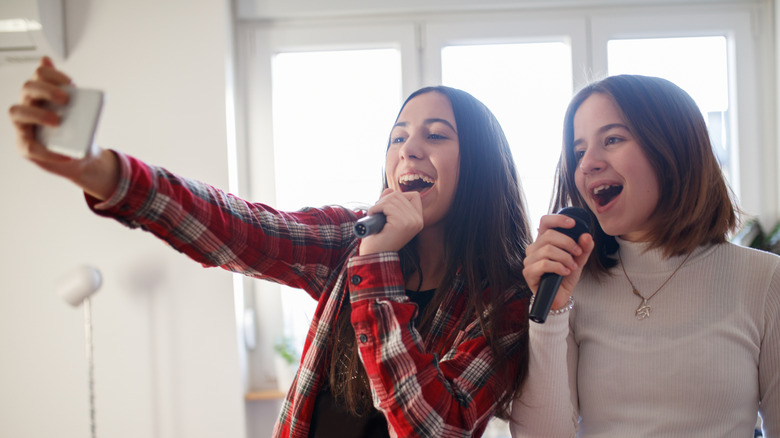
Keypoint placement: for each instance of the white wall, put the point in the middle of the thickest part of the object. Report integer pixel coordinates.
(166, 356)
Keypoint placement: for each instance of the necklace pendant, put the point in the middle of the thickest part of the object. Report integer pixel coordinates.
(643, 311)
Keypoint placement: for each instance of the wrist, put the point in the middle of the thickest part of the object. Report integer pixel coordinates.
(563, 309)
(562, 304)
(557, 309)
(100, 175)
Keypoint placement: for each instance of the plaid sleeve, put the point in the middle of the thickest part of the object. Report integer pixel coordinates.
(215, 228)
(419, 393)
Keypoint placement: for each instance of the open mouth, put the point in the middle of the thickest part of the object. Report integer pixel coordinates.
(415, 182)
(605, 193)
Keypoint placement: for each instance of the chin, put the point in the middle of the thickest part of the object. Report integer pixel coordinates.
(611, 231)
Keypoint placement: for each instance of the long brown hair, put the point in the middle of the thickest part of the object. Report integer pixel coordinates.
(487, 234)
(696, 205)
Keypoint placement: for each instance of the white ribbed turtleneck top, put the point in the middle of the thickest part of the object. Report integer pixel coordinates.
(698, 366)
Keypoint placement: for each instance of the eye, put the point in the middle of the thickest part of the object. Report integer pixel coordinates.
(611, 140)
(397, 140)
(578, 155)
(436, 137)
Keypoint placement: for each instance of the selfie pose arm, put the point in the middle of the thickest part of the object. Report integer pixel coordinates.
(195, 218)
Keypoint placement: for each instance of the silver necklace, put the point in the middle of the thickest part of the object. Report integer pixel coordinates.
(643, 311)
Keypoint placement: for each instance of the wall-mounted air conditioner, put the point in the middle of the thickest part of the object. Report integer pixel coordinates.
(30, 29)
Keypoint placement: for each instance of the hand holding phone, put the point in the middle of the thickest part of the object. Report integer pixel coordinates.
(79, 118)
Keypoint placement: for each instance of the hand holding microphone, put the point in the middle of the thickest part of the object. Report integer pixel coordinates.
(550, 282)
(391, 223)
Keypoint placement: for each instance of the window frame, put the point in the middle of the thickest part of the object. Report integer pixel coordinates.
(421, 35)
(750, 168)
(505, 29)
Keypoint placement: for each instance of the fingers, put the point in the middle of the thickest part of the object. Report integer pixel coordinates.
(48, 73)
(403, 212)
(545, 257)
(553, 245)
(97, 173)
(551, 221)
(554, 252)
(36, 92)
(24, 115)
(44, 87)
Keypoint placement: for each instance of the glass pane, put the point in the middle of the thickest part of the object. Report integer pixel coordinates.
(332, 114)
(527, 86)
(699, 65)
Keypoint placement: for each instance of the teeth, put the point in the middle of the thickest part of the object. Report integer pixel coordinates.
(413, 177)
(601, 188)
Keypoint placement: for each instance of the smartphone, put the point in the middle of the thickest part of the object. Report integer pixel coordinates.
(76, 133)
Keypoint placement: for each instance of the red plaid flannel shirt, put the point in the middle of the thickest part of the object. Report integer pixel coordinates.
(424, 388)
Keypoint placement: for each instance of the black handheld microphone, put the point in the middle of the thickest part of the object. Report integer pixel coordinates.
(549, 284)
(368, 225)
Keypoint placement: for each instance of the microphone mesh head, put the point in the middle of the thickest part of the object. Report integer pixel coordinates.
(576, 213)
(582, 219)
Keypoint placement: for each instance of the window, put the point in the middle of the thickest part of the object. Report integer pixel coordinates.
(331, 149)
(524, 65)
(319, 109)
(713, 47)
(699, 65)
(342, 128)
(527, 86)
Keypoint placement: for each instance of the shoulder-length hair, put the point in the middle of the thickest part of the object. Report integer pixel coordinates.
(695, 205)
(487, 233)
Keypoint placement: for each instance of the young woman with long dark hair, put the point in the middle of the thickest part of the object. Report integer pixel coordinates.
(421, 329)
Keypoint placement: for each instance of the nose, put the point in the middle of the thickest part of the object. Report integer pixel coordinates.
(412, 148)
(592, 161)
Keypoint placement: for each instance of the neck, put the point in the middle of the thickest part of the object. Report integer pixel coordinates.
(430, 248)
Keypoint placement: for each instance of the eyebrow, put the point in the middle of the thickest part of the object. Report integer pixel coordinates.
(429, 122)
(604, 129)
